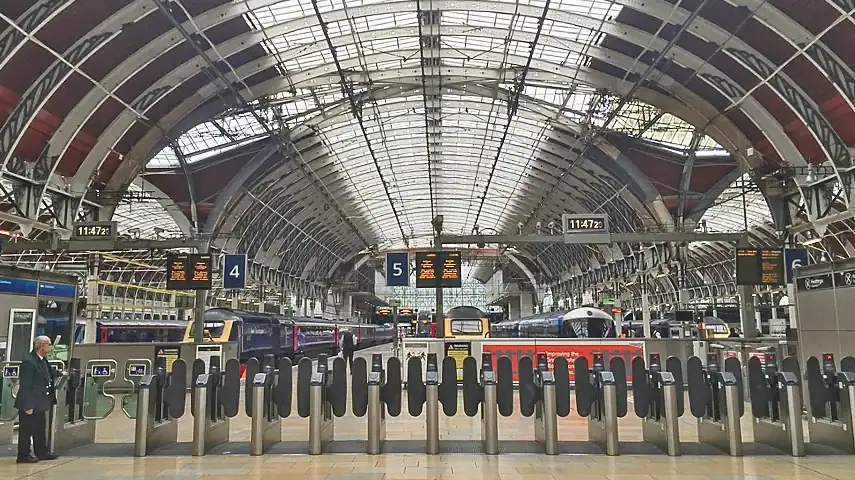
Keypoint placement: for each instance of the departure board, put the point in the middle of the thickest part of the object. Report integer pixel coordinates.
(188, 271)
(445, 265)
(451, 269)
(426, 269)
(760, 266)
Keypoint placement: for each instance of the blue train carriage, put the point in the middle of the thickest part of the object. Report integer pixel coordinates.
(584, 322)
(259, 334)
(313, 336)
(119, 331)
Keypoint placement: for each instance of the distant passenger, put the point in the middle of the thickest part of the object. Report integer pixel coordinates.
(348, 343)
(733, 333)
(36, 395)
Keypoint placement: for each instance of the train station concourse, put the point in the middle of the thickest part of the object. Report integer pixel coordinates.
(427, 239)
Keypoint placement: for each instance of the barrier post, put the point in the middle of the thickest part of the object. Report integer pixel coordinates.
(546, 417)
(200, 414)
(143, 418)
(376, 414)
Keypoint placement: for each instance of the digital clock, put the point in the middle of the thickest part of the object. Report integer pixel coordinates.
(586, 223)
(100, 230)
(586, 228)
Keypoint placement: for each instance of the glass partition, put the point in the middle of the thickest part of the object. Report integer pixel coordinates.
(55, 320)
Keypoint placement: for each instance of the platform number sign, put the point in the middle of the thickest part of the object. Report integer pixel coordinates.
(794, 257)
(397, 269)
(234, 271)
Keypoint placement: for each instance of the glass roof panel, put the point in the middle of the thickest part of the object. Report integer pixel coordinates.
(740, 207)
(144, 215)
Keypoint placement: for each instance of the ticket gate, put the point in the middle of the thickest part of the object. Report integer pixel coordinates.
(776, 403)
(658, 400)
(601, 397)
(321, 395)
(481, 391)
(716, 400)
(84, 391)
(215, 400)
(832, 400)
(376, 392)
(430, 393)
(156, 403)
(267, 400)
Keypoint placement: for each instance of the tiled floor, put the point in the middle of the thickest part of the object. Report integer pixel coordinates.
(419, 466)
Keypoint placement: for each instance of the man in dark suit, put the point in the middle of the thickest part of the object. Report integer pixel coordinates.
(36, 396)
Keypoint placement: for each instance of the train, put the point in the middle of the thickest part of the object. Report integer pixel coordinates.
(260, 334)
(464, 321)
(584, 322)
(115, 330)
(711, 327)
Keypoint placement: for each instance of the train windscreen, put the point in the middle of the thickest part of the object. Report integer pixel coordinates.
(466, 327)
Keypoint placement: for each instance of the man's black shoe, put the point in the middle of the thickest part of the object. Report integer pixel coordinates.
(49, 456)
(28, 460)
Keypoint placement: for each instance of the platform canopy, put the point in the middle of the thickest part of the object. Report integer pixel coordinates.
(308, 134)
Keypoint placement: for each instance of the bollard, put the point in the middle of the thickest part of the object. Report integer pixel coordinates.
(200, 417)
(546, 416)
(490, 416)
(143, 418)
(259, 419)
(610, 417)
(733, 426)
(432, 418)
(671, 420)
(376, 415)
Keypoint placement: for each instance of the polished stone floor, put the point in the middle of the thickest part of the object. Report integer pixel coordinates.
(227, 465)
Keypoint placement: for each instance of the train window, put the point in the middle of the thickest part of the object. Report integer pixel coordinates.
(173, 317)
(465, 326)
(147, 316)
(157, 316)
(213, 329)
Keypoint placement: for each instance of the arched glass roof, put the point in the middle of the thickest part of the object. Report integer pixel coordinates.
(460, 148)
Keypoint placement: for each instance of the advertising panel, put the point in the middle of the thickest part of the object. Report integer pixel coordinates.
(570, 351)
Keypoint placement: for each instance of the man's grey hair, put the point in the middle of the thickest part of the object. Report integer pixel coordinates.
(41, 339)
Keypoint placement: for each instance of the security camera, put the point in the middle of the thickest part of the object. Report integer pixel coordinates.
(520, 227)
(552, 227)
(537, 226)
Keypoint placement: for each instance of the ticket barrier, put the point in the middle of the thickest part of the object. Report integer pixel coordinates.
(601, 397)
(538, 396)
(267, 400)
(71, 423)
(321, 395)
(832, 400)
(377, 392)
(482, 391)
(716, 400)
(430, 393)
(776, 402)
(156, 403)
(658, 400)
(215, 400)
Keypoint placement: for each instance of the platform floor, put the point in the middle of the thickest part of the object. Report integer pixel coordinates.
(110, 457)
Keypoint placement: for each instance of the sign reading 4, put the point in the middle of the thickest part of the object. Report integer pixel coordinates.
(234, 271)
